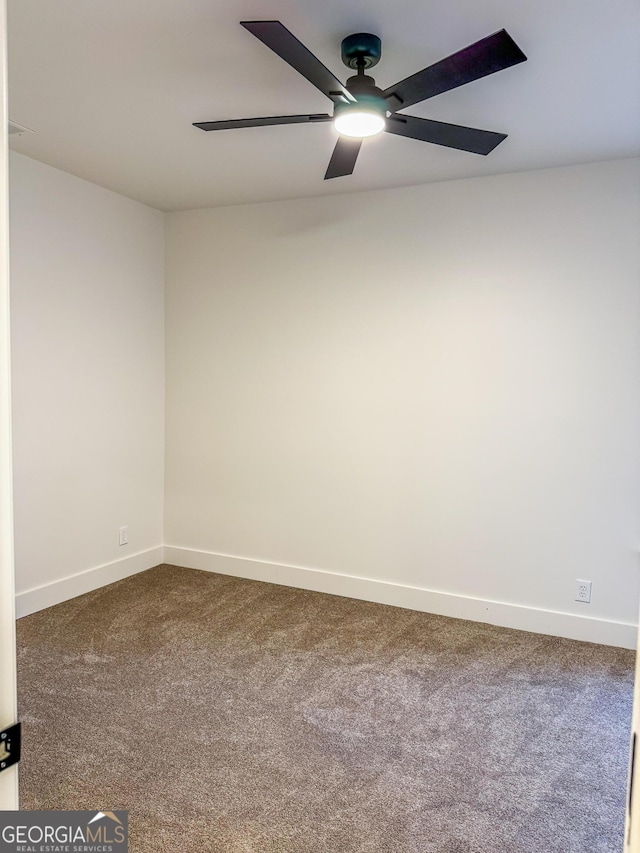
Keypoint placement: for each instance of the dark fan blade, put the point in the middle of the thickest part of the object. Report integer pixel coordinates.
(440, 133)
(276, 36)
(486, 56)
(259, 122)
(343, 158)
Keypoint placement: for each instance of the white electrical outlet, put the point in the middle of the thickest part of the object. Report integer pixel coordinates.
(124, 535)
(583, 591)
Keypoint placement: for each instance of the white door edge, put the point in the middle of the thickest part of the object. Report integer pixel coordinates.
(632, 822)
(8, 699)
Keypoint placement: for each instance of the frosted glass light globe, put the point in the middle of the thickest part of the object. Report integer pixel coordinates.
(358, 123)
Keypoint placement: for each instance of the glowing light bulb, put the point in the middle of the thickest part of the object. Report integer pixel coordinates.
(357, 122)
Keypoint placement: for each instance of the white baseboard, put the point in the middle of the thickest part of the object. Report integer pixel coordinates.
(538, 621)
(39, 597)
(570, 625)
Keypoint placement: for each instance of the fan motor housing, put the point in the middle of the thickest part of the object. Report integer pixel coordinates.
(361, 85)
(361, 50)
(368, 97)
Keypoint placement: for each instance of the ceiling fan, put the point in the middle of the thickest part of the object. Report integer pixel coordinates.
(361, 109)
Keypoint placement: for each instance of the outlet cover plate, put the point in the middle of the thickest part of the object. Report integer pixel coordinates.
(583, 591)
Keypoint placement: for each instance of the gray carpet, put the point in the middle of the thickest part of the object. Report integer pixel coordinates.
(240, 717)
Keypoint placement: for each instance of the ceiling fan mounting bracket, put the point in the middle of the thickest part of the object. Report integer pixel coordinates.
(361, 50)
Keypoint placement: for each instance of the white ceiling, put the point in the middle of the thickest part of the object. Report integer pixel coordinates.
(111, 88)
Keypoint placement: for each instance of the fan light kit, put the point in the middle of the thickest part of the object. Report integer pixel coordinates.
(361, 109)
(358, 122)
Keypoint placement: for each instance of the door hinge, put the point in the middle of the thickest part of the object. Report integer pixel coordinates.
(9, 747)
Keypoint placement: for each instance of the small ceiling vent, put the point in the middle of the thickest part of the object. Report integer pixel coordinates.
(18, 129)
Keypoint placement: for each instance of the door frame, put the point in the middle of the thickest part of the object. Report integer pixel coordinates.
(632, 820)
(8, 694)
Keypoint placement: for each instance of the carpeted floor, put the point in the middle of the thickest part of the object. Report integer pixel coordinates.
(232, 716)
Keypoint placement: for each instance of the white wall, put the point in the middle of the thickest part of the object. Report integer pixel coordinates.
(87, 313)
(431, 388)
